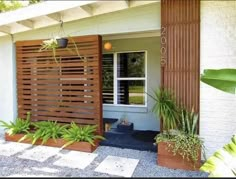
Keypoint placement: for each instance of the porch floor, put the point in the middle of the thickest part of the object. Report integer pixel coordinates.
(138, 140)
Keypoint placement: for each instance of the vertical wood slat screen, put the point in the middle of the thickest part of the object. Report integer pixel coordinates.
(70, 90)
(180, 50)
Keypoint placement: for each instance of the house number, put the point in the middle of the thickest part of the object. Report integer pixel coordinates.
(163, 46)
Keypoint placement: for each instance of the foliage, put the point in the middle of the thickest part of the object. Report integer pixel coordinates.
(222, 79)
(80, 133)
(166, 108)
(50, 44)
(19, 126)
(45, 130)
(188, 122)
(9, 5)
(34, 1)
(223, 162)
(186, 145)
(180, 126)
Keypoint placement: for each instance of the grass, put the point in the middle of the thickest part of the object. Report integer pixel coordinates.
(136, 89)
(136, 100)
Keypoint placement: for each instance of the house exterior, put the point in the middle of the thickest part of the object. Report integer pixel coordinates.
(134, 30)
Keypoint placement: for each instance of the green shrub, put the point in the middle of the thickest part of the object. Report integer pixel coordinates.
(80, 134)
(19, 126)
(45, 130)
(166, 108)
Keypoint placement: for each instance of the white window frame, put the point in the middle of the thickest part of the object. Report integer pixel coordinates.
(115, 79)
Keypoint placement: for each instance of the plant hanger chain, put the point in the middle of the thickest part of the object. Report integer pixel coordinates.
(61, 31)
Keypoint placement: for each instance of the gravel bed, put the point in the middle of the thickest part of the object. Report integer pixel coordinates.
(14, 166)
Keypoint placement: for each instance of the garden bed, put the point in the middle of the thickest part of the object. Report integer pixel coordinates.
(78, 146)
(167, 159)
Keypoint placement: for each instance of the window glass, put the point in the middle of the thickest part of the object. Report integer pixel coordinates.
(131, 92)
(131, 64)
(107, 78)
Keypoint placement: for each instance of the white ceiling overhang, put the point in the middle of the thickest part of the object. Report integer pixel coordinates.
(51, 12)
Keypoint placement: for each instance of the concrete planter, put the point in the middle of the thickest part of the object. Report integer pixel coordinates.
(125, 127)
(169, 160)
(78, 146)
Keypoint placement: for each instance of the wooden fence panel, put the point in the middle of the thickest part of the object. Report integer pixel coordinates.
(180, 50)
(180, 37)
(70, 90)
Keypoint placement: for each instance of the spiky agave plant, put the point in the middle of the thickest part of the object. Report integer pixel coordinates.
(189, 122)
(80, 134)
(19, 126)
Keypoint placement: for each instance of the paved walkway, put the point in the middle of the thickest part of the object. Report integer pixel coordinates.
(18, 160)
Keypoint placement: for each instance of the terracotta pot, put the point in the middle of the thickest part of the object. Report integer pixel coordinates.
(167, 159)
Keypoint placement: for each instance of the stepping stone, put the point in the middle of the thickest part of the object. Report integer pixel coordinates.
(45, 169)
(25, 175)
(75, 159)
(40, 153)
(12, 148)
(117, 166)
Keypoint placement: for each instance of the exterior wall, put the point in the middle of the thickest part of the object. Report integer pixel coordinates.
(218, 50)
(138, 19)
(142, 117)
(7, 80)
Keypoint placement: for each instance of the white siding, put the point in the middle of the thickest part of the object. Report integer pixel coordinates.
(218, 50)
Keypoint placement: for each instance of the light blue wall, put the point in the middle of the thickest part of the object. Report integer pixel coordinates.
(142, 117)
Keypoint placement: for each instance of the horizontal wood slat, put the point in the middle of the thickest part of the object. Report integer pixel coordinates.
(69, 90)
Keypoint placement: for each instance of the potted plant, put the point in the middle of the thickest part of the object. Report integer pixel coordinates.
(179, 146)
(50, 133)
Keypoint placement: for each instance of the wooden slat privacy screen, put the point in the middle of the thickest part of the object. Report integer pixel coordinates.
(180, 50)
(69, 90)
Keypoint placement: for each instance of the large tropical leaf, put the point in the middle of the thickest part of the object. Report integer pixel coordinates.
(222, 79)
(223, 162)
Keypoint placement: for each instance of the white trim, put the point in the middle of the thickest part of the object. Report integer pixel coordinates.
(115, 79)
(44, 14)
(126, 105)
(39, 9)
(132, 78)
(130, 35)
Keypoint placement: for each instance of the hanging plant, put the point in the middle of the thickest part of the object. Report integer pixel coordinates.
(50, 44)
(55, 42)
(60, 41)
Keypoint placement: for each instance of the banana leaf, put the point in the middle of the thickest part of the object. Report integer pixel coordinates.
(222, 79)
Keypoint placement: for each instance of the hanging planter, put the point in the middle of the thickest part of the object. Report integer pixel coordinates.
(62, 42)
(59, 42)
